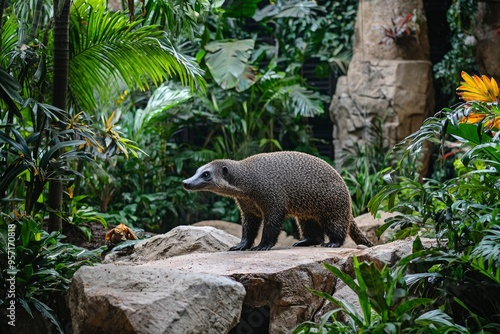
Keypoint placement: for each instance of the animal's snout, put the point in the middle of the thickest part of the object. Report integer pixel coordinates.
(186, 185)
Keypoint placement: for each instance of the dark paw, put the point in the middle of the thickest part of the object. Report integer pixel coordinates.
(261, 248)
(331, 244)
(239, 247)
(307, 242)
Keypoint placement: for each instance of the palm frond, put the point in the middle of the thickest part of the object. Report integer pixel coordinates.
(289, 9)
(163, 98)
(297, 99)
(489, 247)
(8, 39)
(107, 50)
(23, 10)
(178, 17)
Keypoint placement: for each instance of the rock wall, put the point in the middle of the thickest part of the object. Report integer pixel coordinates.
(487, 33)
(389, 79)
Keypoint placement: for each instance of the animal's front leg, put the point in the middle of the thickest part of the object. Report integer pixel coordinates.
(250, 224)
(271, 231)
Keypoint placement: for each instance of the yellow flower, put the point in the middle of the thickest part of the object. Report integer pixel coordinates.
(490, 124)
(478, 88)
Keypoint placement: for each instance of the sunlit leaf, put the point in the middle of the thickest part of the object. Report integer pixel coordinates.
(107, 50)
(228, 60)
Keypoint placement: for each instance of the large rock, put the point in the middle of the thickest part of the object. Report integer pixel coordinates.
(180, 240)
(375, 15)
(387, 83)
(218, 235)
(284, 240)
(275, 280)
(368, 224)
(132, 299)
(157, 292)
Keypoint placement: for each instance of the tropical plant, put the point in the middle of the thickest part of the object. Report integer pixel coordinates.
(460, 208)
(363, 168)
(40, 264)
(460, 57)
(107, 45)
(385, 302)
(253, 105)
(401, 27)
(80, 48)
(32, 160)
(461, 212)
(79, 215)
(466, 286)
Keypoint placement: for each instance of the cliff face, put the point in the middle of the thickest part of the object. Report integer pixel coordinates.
(389, 77)
(487, 34)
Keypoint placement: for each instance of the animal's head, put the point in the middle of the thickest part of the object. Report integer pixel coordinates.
(216, 176)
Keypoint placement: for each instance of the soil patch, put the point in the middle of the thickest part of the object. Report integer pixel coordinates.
(75, 236)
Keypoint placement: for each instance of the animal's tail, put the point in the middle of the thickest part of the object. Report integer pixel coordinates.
(358, 236)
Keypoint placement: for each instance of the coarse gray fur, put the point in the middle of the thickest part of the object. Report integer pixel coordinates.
(271, 186)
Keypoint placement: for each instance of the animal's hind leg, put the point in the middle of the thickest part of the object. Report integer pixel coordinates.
(336, 233)
(312, 233)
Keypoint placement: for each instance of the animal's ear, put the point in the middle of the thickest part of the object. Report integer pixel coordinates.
(225, 171)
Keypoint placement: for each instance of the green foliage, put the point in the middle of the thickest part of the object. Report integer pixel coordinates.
(28, 157)
(385, 302)
(41, 264)
(97, 37)
(257, 101)
(462, 273)
(363, 168)
(460, 208)
(227, 61)
(465, 286)
(40, 144)
(81, 214)
(460, 58)
(304, 31)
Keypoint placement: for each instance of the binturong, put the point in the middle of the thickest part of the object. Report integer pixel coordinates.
(269, 187)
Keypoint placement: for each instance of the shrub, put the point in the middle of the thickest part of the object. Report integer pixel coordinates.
(461, 212)
(385, 302)
(40, 264)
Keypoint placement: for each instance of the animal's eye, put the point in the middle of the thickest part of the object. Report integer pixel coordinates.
(205, 175)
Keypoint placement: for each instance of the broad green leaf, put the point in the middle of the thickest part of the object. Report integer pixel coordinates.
(164, 98)
(348, 280)
(468, 132)
(439, 319)
(228, 60)
(375, 288)
(364, 301)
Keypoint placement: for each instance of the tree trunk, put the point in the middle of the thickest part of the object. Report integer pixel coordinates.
(59, 98)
